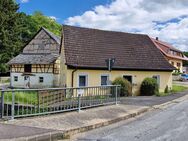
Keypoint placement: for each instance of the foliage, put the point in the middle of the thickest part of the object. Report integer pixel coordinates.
(126, 87)
(10, 28)
(41, 20)
(166, 89)
(175, 89)
(178, 88)
(149, 87)
(22, 97)
(17, 28)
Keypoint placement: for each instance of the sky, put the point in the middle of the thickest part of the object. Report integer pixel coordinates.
(166, 19)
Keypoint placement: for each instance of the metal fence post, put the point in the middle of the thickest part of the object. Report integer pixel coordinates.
(12, 107)
(2, 104)
(79, 102)
(116, 91)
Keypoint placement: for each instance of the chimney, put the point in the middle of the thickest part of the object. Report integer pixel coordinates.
(157, 38)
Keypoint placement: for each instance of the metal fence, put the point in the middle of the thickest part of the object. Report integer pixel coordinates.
(31, 102)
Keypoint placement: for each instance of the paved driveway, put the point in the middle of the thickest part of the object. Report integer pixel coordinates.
(150, 100)
(181, 83)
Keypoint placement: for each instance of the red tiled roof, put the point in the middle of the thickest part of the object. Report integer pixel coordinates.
(89, 48)
(166, 48)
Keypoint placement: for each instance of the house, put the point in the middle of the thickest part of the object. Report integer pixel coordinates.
(173, 55)
(83, 54)
(84, 51)
(39, 64)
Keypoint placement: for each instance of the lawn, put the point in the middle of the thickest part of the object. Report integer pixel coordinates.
(175, 89)
(21, 97)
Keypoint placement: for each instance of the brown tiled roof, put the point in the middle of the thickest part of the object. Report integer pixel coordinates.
(165, 48)
(89, 48)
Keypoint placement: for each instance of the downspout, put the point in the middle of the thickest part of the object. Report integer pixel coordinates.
(72, 85)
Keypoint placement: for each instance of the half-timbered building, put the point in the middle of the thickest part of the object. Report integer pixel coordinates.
(38, 65)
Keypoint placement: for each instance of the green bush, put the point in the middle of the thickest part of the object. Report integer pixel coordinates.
(126, 87)
(166, 89)
(149, 87)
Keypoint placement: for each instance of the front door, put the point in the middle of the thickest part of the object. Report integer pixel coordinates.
(27, 81)
(129, 78)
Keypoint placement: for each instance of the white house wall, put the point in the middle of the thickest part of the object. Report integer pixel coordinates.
(34, 80)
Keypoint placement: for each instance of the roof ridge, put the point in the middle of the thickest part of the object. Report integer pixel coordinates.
(51, 34)
(104, 30)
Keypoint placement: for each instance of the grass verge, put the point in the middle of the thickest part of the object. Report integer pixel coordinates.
(175, 89)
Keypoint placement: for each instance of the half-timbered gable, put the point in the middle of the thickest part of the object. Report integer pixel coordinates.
(40, 58)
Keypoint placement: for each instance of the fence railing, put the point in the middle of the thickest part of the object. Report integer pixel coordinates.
(31, 102)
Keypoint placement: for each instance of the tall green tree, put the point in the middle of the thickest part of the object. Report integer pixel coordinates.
(10, 27)
(41, 20)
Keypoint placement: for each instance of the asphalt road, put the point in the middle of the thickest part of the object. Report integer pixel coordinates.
(169, 124)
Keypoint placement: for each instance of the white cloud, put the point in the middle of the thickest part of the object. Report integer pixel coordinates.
(167, 19)
(24, 1)
(53, 18)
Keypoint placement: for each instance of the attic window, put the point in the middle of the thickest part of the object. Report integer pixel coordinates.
(27, 68)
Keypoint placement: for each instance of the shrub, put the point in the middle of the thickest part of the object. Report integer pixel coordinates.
(126, 87)
(166, 89)
(149, 87)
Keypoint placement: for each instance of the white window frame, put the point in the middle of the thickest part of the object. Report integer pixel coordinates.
(87, 78)
(108, 79)
(158, 79)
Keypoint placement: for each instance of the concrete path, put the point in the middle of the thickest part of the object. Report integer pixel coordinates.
(8, 132)
(74, 120)
(165, 125)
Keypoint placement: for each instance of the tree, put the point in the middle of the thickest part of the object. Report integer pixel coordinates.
(17, 28)
(46, 22)
(10, 27)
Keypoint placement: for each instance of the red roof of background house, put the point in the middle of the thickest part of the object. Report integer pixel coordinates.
(166, 48)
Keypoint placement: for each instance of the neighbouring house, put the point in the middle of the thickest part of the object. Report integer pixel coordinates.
(173, 55)
(39, 64)
(83, 55)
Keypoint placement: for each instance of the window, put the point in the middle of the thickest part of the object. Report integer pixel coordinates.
(172, 63)
(15, 78)
(27, 68)
(178, 65)
(41, 79)
(129, 78)
(104, 80)
(157, 77)
(82, 80)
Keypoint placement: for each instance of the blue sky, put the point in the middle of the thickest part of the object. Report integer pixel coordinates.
(166, 19)
(61, 9)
